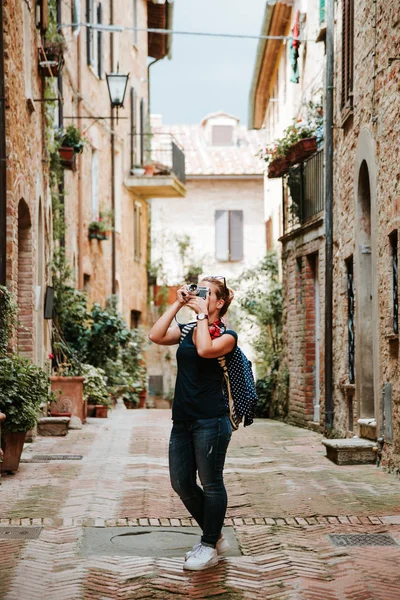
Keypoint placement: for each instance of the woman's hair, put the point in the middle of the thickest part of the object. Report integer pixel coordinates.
(222, 292)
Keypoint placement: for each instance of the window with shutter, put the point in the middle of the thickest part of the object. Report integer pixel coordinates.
(222, 235)
(135, 21)
(132, 109)
(95, 185)
(99, 43)
(137, 214)
(229, 235)
(236, 234)
(90, 37)
(142, 132)
(76, 16)
(347, 54)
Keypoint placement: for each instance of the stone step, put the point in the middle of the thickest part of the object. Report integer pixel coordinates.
(350, 451)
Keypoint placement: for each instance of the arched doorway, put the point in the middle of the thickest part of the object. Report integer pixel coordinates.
(25, 281)
(364, 298)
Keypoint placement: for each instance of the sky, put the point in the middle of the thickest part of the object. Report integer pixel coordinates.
(207, 74)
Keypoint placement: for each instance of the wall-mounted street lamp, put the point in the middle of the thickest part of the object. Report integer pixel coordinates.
(117, 83)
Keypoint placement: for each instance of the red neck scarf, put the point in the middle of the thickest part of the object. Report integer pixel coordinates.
(216, 329)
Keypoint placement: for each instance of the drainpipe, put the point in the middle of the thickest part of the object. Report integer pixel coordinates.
(329, 214)
(61, 187)
(113, 246)
(80, 167)
(3, 166)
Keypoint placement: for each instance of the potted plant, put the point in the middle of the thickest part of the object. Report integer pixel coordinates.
(72, 142)
(23, 388)
(138, 170)
(94, 388)
(149, 169)
(131, 398)
(60, 406)
(192, 273)
(98, 230)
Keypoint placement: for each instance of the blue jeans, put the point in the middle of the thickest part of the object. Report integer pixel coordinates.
(200, 446)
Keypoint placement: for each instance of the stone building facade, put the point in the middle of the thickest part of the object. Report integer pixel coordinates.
(104, 182)
(281, 90)
(99, 183)
(366, 222)
(24, 192)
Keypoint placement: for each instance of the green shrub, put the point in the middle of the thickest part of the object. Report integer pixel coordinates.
(23, 388)
(95, 385)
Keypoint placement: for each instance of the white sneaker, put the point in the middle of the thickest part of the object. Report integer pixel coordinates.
(201, 558)
(222, 547)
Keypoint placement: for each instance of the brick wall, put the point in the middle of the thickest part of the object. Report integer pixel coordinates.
(303, 262)
(27, 171)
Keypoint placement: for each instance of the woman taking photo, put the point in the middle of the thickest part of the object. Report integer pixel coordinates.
(201, 428)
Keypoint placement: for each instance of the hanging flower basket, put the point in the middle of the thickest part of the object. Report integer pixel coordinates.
(278, 168)
(301, 150)
(67, 157)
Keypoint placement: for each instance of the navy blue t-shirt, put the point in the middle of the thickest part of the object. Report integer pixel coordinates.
(198, 388)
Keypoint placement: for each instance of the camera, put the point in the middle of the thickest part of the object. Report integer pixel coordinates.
(198, 290)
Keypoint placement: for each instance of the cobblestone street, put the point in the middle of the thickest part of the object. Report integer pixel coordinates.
(285, 499)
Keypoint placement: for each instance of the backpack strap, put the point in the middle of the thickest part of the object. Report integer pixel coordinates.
(235, 421)
(186, 329)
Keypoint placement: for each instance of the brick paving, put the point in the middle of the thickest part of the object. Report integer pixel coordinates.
(285, 498)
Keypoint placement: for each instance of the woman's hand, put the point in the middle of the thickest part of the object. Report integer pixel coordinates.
(199, 305)
(182, 295)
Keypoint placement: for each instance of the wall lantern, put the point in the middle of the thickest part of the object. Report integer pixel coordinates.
(117, 83)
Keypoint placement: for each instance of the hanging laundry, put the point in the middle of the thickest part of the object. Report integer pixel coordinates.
(294, 50)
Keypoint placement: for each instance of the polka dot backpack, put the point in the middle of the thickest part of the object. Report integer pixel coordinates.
(239, 388)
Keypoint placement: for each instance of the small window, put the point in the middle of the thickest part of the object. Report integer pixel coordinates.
(347, 54)
(90, 38)
(27, 50)
(222, 135)
(95, 185)
(229, 235)
(99, 62)
(137, 214)
(86, 282)
(135, 318)
(156, 385)
(135, 22)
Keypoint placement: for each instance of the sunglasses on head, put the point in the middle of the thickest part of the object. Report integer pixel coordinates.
(222, 279)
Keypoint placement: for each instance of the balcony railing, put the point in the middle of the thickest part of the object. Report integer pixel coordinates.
(303, 192)
(160, 151)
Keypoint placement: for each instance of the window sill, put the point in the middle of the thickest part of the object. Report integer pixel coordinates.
(347, 386)
(392, 337)
(346, 115)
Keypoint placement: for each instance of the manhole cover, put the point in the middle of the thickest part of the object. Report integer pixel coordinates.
(19, 533)
(362, 539)
(146, 541)
(47, 457)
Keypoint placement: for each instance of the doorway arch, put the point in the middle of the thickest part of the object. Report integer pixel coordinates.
(366, 333)
(25, 280)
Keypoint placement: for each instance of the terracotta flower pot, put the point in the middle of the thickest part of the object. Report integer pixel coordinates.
(278, 168)
(67, 157)
(54, 413)
(142, 398)
(149, 169)
(12, 444)
(91, 410)
(302, 150)
(69, 390)
(129, 405)
(101, 411)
